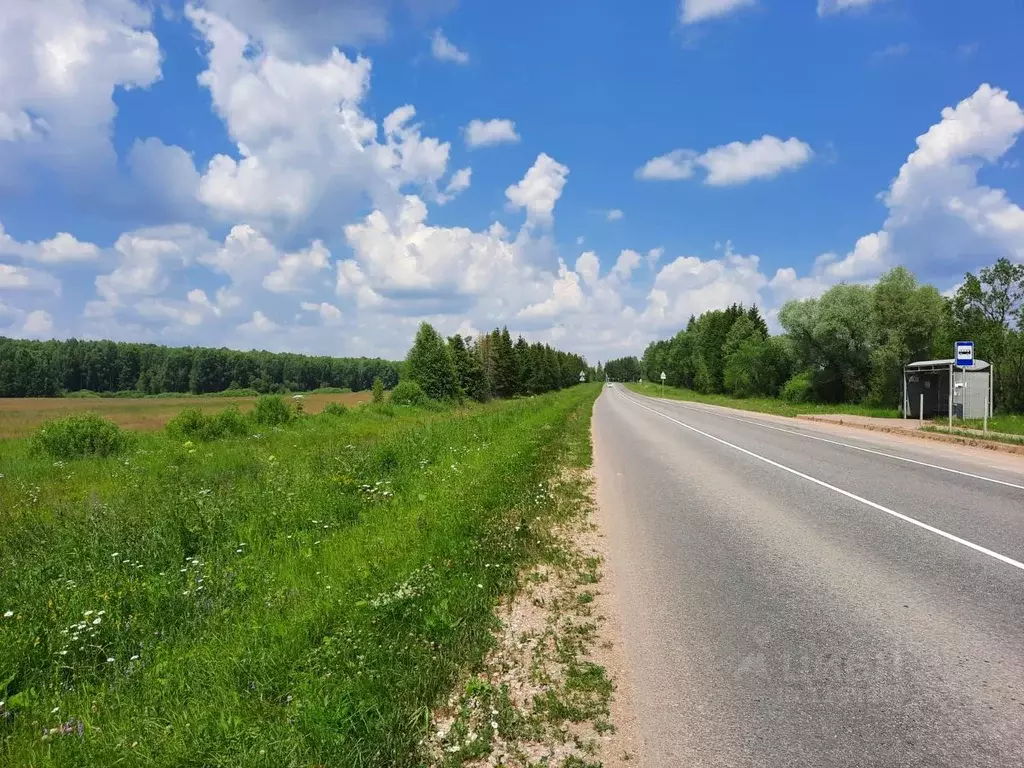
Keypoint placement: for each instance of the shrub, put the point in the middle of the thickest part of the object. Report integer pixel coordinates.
(232, 422)
(82, 434)
(408, 393)
(192, 424)
(335, 409)
(799, 389)
(272, 410)
(330, 391)
(378, 390)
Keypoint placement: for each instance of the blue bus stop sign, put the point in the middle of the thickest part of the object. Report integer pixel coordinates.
(965, 354)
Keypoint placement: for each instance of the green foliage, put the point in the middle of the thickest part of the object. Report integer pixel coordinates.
(48, 368)
(196, 424)
(79, 436)
(299, 599)
(430, 365)
(627, 369)
(799, 389)
(378, 390)
(469, 369)
(272, 410)
(408, 393)
(335, 409)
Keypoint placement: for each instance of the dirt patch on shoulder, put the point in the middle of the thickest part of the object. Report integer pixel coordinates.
(550, 692)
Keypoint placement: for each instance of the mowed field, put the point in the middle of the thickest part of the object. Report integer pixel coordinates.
(19, 416)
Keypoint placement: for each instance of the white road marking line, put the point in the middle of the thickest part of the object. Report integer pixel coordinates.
(823, 484)
(836, 442)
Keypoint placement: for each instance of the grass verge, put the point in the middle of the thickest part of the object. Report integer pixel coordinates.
(762, 404)
(298, 597)
(976, 435)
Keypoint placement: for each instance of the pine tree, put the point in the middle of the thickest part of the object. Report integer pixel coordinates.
(469, 369)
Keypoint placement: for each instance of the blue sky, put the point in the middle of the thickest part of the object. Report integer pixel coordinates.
(322, 176)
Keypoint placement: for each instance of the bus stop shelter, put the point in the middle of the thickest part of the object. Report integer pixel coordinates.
(939, 388)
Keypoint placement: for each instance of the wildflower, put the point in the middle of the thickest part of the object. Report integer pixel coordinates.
(55, 710)
(134, 658)
(88, 613)
(494, 725)
(110, 660)
(8, 614)
(116, 554)
(97, 620)
(204, 491)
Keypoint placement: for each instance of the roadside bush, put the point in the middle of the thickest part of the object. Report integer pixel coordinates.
(408, 393)
(79, 435)
(799, 389)
(378, 390)
(335, 409)
(272, 410)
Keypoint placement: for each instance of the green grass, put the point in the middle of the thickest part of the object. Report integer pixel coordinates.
(763, 404)
(299, 597)
(1008, 424)
(997, 437)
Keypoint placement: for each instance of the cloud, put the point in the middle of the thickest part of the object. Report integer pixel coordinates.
(13, 278)
(941, 221)
(677, 164)
(764, 158)
(566, 296)
(730, 164)
(539, 190)
(695, 11)
(328, 313)
(481, 133)
(826, 7)
(628, 261)
(259, 323)
(61, 249)
(615, 215)
(298, 28)
(442, 49)
(61, 64)
(37, 323)
(457, 184)
(588, 267)
(306, 152)
(690, 285)
(296, 272)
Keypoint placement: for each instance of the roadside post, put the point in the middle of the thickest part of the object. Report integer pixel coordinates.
(963, 354)
(920, 412)
(662, 383)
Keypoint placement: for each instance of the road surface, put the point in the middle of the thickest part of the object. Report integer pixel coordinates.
(796, 595)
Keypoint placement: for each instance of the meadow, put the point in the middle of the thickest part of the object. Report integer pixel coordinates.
(19, 416)
(298, 596)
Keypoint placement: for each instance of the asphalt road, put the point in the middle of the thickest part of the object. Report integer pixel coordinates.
(790, 597)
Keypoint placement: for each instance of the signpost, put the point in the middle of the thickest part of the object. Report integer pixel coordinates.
(963, 354)
(583, 376)
(662, 383)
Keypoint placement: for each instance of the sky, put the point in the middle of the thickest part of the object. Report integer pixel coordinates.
(321, 176)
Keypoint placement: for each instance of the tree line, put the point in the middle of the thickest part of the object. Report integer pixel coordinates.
(50, 368)
(489, 366)
(848, 345)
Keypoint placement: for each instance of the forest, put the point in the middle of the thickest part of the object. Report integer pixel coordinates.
(850, 344)
(52, 368)
(488, 366)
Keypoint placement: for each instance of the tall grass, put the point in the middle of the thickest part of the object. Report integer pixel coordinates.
(301, 596)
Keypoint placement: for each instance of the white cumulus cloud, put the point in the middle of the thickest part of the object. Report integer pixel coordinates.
(730, 164)
(485, 133)
(442, 49)
(826, 7)
(539, 189)
(695, 11)
(60, 249)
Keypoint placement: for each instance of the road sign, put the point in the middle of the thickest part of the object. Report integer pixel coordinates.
(583, 376)
(965, 354)
(663, 376)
